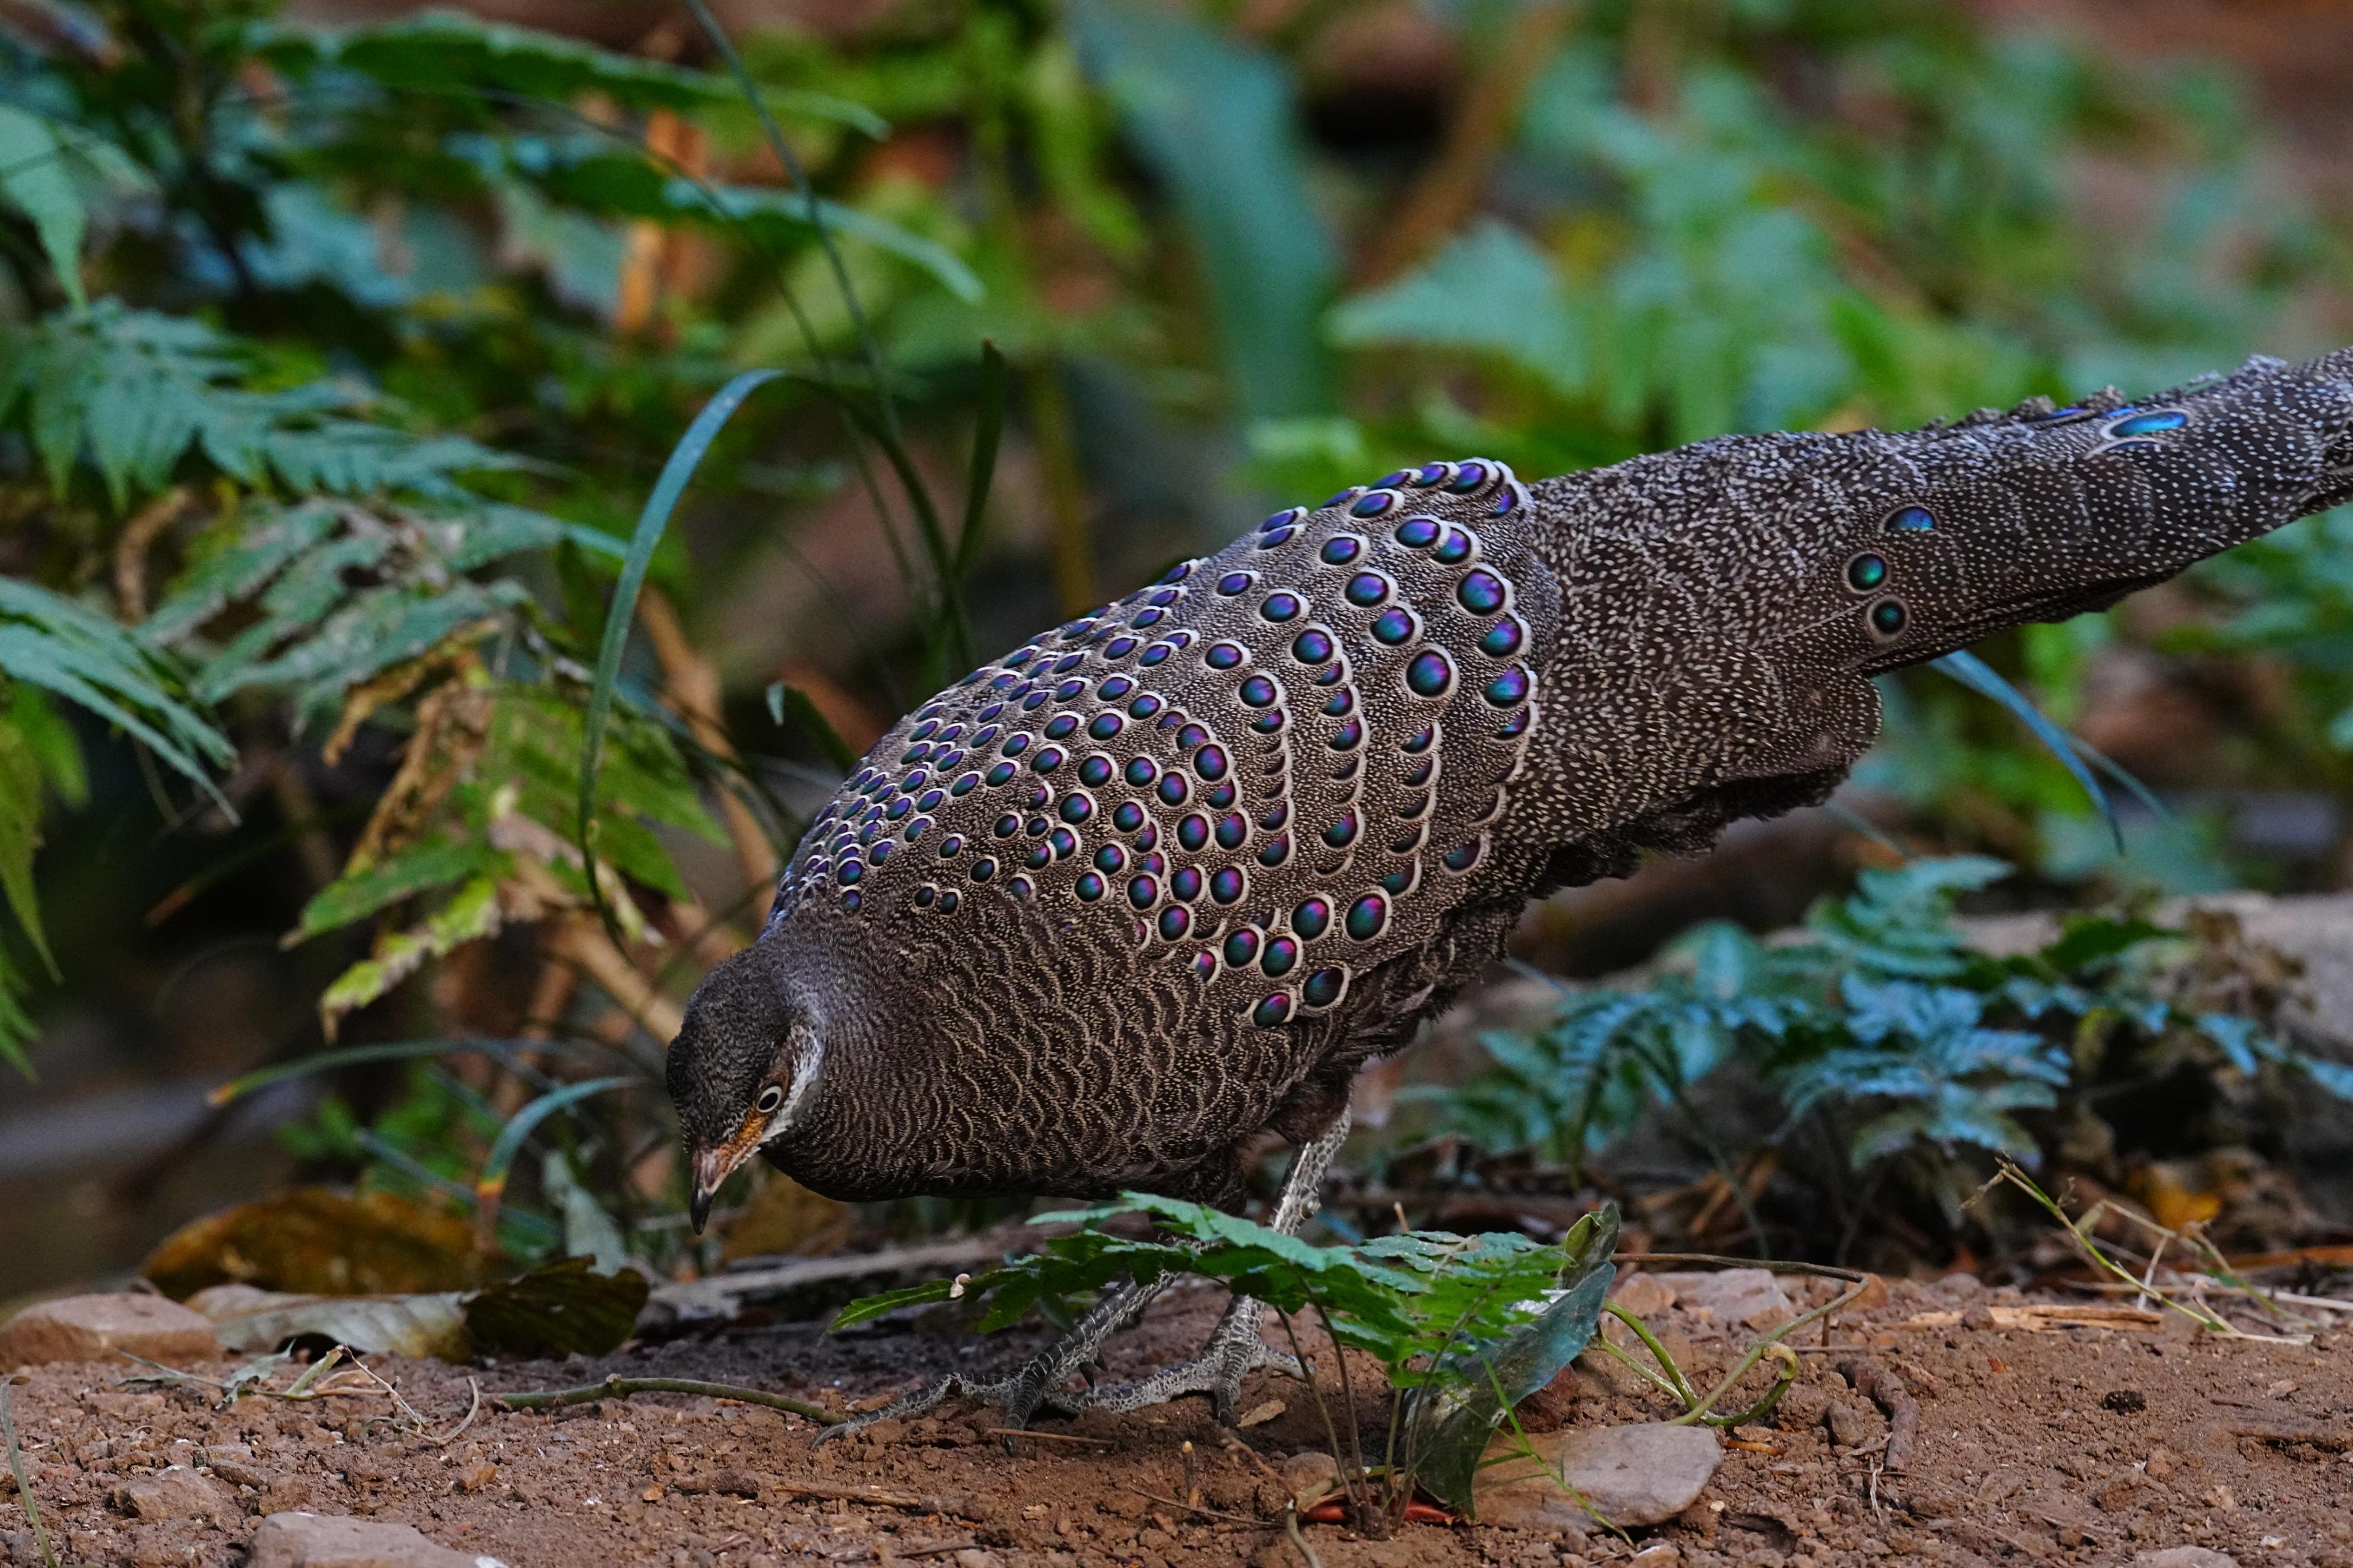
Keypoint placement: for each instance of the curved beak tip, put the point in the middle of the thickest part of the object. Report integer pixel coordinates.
(699, 1210)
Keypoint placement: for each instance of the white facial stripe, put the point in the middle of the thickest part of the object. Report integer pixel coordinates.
(808, 1055)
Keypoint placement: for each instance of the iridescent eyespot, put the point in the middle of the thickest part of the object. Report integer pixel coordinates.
(1222, 655)
(983, 869)
(1060, 724)
(1272, 1011)
(1233, 830)
(1172, 789)
(1210, 762)
(949, 900)
(1504, 639)
(1175, 921)
(951, 847)
(1193, 831)
(1274, 851)
(1469, 477)
(1455, 547)
(1144, 706)
(1325, 987)
(1336, 497)
(925, 895)
(1127, 816)
(1433, 474)
(1242, 946)
(1113, 688)
(1418, 532)
(1509, 688)
(1048, 759)
(1157, 652)
(1234, 583)
(1227, 885)
(1340, 704)
(1147, 617)
(1000, 773)
(1258, 692)
(1311, 919)
(1142, 771)
(1143, 893)
(1014, 746)
(1390, 482)
(1342, 832)
(1105, 726)
(1866, 571)
(1313, 646)
(1343, 548)
(1192, 735)
(1911, 519)
(2148, 424)
(1280, 606)
(1038, 858)
(1089, 887)
(1394, 625)
(1007, 826)
(1281, 536)
(1887, 619)
(1184, 883)
(1075, 808)
(1119, 648)
(1111, 858)
(1481, 592)
(1282, 519)
(1064, 842)
(1281, 958)
(1462, 856)
(1367, 589)
(1367, 917)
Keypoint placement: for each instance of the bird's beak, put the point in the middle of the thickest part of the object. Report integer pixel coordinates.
(712, 1167)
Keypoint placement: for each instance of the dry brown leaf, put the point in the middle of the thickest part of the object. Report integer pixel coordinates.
(314, 1241)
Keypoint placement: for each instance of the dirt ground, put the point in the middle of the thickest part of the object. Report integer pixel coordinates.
(2070, 1445)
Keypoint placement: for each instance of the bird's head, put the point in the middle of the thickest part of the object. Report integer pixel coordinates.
(745, 1064)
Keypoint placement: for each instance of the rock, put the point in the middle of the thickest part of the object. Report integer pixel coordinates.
(1310, 1476)
(1978, 1318)
(1644, 1295)
(176, 1493)
(333, 1540)
(1631, 1475)
(1849, 1427)
(93, 1328)
(1734, 1298)
(2185, 1557)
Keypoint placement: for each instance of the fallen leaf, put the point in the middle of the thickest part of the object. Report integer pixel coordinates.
(556, 1310)
(313, 1241)
(421, 1325)
(1260, 1414)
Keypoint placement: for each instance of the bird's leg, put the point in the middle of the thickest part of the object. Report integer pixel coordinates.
(1037, 1381)
(1235, 1347)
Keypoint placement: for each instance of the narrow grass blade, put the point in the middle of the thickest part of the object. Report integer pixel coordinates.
(491, 1185)
(684, 459)
(1982, 678)
(790, 701)
(391, 1050)
(984, 440)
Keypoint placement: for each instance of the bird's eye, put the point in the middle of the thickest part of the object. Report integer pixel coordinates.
(770, 1098)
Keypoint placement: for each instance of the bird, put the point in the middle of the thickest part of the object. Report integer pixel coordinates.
(1160, 882)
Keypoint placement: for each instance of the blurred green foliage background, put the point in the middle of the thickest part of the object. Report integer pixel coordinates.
(337, 358)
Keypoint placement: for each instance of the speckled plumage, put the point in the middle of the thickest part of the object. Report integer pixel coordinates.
(1167, 877)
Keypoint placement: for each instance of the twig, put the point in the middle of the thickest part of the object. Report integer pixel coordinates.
(23, 1482)
(458, 1430)
(913, 1502)
(620, 1387)
(1291, 1524)
(1048, 1437)
(1886, 1390)
(1197, 1508)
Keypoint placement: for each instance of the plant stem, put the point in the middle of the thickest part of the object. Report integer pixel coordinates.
(23, 1482)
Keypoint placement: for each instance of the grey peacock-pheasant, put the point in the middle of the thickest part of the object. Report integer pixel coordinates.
(1165, 878)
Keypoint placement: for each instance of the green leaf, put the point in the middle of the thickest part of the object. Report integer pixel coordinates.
(33, 179)
(684, 459)
(355, 896)
(20, 836)
(1452, 1419)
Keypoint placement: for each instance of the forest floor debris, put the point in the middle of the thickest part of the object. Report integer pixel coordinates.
(2041, 1436)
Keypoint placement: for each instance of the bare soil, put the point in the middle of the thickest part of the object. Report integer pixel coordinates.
(2088, 1445)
